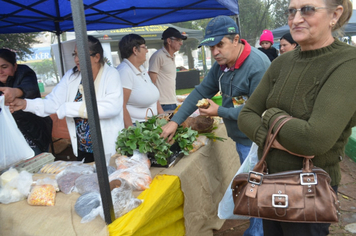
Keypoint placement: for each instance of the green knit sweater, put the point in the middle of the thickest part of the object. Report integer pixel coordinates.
(318, 88)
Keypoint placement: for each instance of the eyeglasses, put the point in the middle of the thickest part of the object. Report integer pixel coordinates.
(305, 11)
(178, 40)
(143, 46)
(74, 54)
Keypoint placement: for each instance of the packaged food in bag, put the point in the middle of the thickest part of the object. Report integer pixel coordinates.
(42, 195)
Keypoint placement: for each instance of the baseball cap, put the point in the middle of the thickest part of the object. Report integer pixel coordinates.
(217, 28)
(172, 32)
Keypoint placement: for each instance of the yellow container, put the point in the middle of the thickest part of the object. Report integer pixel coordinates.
(217, 100)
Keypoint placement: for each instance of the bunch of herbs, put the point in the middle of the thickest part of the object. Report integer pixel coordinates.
(145, 137)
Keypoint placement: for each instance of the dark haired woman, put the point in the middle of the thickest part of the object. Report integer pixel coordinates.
(68, 101)
(139, 91)
(20, 81)
(287, 43)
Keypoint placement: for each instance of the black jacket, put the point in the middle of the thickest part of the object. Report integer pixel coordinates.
(38, 129)
(272, 53)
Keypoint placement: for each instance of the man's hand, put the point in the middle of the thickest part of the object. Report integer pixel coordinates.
(211, 111)
(18, 104)
(10, 94)
(169, 130)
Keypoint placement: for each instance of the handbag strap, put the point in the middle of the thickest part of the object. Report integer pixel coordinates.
(260, 166)
(271, 128)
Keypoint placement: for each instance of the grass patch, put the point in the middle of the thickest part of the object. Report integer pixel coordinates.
(188, 90)
(183, 91)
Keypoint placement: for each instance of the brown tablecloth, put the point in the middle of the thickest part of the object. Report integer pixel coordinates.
(204, 176)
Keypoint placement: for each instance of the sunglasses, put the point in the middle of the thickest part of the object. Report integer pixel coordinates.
(305, 11)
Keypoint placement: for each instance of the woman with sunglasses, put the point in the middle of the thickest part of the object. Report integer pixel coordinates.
(140, 93)
(315, 85)
(68, 101)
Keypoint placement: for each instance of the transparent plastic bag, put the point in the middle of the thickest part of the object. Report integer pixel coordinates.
(123, 199)
(89, 205)
(66, 182)
(42, 195)
(87, 183)
(13, 146)
(135, 170)
(15, 186)
(227, 205)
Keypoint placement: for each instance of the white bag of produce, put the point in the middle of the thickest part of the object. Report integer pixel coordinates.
(13, 146)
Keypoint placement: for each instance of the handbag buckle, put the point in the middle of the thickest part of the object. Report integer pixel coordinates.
(308, 179)
(254, 179)
(279, 204)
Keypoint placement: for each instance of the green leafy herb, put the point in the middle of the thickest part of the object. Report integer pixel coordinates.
(146, 138)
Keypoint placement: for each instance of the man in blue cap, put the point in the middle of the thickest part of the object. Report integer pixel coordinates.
(235, 74)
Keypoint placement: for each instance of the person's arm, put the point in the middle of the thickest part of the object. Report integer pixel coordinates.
(159, 108)
(153, 76)
(127, 117)
(10, 94)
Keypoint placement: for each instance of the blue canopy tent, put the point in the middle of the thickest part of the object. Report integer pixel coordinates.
(349, 29)
(23, 16)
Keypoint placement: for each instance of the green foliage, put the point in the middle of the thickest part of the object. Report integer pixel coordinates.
(280, 18)
(20, 43)
(146, 138)
(44, 69)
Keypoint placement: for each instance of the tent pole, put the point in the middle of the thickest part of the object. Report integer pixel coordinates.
(60, 52)
(92, 109)
(237, 17)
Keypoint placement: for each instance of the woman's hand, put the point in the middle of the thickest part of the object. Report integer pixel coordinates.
(10, 94)
(279, 146)
(17, 104)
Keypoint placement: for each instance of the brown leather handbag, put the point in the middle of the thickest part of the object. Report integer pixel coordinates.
(303, 196)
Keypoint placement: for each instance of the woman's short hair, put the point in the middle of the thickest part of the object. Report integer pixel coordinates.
(8, 55)
(128, 42)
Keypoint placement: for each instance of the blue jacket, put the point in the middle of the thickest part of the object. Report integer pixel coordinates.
(249, 70)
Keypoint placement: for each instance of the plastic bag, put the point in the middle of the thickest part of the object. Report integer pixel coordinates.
(123, 199)
(66, 182)
(226, 205)
(43, 193)
(66, 178)
(135, 170)
(13, 145)
(15, 186)
(87, 183)
(89, 205)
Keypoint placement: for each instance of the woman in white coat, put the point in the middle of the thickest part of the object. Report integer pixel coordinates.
(66, 99)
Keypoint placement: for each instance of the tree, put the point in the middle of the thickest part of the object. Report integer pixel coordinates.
(188, 46)
(45, 70)
(255, 16)
(21, 43)
(280, 16)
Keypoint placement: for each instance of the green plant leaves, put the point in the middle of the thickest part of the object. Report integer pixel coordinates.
(146, 138)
